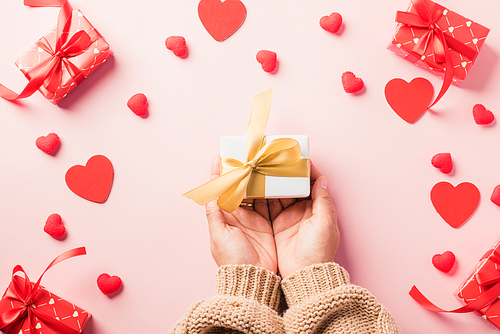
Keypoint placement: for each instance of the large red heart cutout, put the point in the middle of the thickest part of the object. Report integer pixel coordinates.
(92, 181)
(455, 204)
(221, 19)
(409, 99)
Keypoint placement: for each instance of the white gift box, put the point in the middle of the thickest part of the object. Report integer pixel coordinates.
(275, 186)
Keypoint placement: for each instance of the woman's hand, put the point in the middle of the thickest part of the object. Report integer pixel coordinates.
(305, 231)
(244, 236)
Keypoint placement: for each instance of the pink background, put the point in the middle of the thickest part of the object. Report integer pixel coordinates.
(378, 166)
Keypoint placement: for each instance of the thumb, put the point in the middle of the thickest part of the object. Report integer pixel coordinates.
(322, 203)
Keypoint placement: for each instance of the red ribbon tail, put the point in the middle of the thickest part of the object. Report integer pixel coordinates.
(481, 301)
(448, 77)
(44, 3)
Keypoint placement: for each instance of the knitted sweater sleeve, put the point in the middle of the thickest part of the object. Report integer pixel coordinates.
(322, 300)
(246, 301)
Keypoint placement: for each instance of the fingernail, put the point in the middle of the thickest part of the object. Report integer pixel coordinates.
(324, 183)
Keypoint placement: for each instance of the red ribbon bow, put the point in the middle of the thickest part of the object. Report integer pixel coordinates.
(428, 13)
(21, 295)
(49, 72)
(484, 299)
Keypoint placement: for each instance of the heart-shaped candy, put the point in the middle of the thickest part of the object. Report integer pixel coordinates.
(267, 59)
(351, 83)
(108, 284)
(444, 262)
(455, 204)
(482, 116)
(138, 103)
(331, 23)
(221, 19)
(54, 226)
(443, 162)
(409, 100)
(495, 195)
(177, 44)
(47, 143)
(92, 181)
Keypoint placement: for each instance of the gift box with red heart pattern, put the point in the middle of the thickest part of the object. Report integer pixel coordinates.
(49, 305)
(454, 25)
(489, 266)
(87, 62)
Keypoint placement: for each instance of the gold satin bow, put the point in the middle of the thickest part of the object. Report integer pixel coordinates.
(279, 157)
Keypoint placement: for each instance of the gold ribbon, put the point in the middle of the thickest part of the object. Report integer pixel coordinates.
(279, 157)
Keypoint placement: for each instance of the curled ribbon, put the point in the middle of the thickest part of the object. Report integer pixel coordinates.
(49, 72)
(20, 294)
(428, 13)
(279, 157)
(484, 299)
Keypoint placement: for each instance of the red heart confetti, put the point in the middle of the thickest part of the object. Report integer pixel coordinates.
(495, 195)
(92, 181)
(443, 162)
(444, 262)
(54, 226)
(267, 59)
(108, 284)
(455, 204)
(177, 44)
(47, 143)
(351, 83)
(409, 100)
(331, 23)
(482, 116)
(138, 103)
(221, 19)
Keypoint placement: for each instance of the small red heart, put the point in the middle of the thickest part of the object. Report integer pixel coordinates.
(108, 284)
(444, 262)
(482, 116)
(351, 83)
(92, 181)
(409, 100)
(495, 195)
(221, 19)
(267, 59)
(47, 143)
(455, 204)
(177, 44)
(138, 103)
(54, 226)
(331, 23)
(443, 162)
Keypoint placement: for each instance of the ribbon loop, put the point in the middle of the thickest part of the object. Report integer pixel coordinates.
(279, 157)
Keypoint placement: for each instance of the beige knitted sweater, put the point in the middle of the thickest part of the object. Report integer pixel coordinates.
(320, 299)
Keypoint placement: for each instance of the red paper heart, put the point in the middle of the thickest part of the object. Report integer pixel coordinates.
(409, 100)
(351, 83)
(54, 226)
(92, 181)
(267, 59)
(47, 143)
(331, 23)
(455, 204)
(482, 116)
(444, 262)
(108, 284)
(138, 103)
(221, 19)
(443, 162)
(177, 44)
